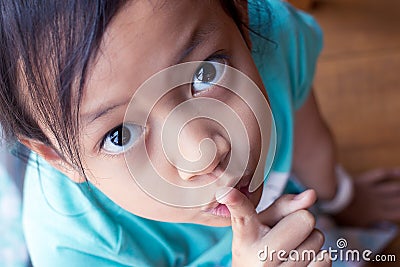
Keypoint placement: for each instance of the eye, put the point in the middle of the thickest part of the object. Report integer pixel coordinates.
(121, 138)
(208, 74)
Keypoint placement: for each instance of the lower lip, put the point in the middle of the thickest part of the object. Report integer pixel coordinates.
(221, 210)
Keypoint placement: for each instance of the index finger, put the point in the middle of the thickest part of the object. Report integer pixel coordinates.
(244, 218)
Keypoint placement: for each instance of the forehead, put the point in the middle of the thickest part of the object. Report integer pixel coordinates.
(145, 37)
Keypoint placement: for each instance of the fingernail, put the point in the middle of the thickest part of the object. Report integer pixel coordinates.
(300, 196)
(221, 194)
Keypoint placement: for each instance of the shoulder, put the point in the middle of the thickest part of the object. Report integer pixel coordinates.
(64, 214)
(286, 43)
(272, 18)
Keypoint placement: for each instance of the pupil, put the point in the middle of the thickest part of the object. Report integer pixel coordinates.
(120, 136)
(206, 73)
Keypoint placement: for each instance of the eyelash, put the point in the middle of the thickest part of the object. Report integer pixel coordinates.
(220, 54)
(111, 155)
(101, 144)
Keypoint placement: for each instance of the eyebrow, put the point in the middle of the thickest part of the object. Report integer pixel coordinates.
(102, 111)
(196, 38)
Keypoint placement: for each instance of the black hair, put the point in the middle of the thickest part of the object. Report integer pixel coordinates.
(46, 50)
(46, 47)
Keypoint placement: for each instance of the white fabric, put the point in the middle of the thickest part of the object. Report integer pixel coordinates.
(273, 188)
(344, 193)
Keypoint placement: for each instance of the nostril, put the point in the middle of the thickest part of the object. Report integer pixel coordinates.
(222, 144)
(223, 148)
(185, 175)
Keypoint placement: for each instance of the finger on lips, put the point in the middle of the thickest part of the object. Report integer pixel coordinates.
(245, 224)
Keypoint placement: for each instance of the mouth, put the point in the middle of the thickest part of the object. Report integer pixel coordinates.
(222, 210)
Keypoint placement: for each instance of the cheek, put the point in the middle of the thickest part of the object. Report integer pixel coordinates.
(112, 177)
(243, 62)
(249, 120)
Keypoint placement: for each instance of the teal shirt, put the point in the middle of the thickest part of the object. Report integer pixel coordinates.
(75, 225)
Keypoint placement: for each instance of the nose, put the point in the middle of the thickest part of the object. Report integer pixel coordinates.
(192, 149)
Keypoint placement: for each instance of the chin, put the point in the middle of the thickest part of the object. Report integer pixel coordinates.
(217, 222)
(223, 223)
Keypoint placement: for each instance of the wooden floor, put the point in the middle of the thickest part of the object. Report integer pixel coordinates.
(358, 83)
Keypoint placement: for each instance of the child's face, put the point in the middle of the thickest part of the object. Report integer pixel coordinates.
(144, 38)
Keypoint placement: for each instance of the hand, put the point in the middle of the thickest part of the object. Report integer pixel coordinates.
(376, 198)
(286, 225)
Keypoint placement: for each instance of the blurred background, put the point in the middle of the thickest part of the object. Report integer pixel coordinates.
(13, 251)
(357, 87)
(358, 82)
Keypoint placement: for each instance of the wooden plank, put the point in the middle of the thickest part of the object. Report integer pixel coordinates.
(358, 84)
(360, 99)
(302, 4)
(356, 26)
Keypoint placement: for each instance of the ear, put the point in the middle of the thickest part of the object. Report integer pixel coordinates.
(53, 158)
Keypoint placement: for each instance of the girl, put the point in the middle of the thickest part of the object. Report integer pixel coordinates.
(68, 72)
